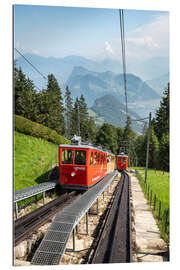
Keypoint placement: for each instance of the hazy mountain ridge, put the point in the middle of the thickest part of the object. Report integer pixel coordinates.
(98, 78)
(159, 84)
(95, 84)
(113, 112)
(62, 67)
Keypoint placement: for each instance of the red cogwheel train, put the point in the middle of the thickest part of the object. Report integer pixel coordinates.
(122, 162)
(81, 166)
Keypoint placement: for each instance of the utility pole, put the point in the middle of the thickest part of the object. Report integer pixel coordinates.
(147, 151)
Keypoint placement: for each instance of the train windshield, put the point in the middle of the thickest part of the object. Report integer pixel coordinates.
(122, 159)
(67, 156)
(80, 157)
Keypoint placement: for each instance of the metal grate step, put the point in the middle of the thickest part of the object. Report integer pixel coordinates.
(34, 190)
(53, 245)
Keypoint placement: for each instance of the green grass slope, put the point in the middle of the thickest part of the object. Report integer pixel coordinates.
(158, 183)
(32, 160)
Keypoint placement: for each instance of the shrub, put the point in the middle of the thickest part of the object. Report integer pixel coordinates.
(34, 129)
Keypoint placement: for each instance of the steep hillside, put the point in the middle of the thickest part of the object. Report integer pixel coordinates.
(35, 149)
(159, 84)
(113, 112)
(32, 160)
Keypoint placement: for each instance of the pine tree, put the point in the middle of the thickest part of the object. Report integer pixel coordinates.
(120, 138)
(84, 118)
(75, 118)
(162, 115)
(107, 137)
(153, 150)
(129, 136)
(140, 148)
(19, 89)
(164, 152)
(81, 119)
(24, 96)
(91, 131)
(68, 113)
(42, 103)
(54, 105)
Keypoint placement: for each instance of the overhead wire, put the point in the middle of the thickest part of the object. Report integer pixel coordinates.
(44, 77)
(121, 18)
(31, 64)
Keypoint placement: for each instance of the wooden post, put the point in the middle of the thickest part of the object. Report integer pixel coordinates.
(159, 215)
(148, 193)
(151, 198)
(155, 201)
(44, 196)
(147, 151)
(97, 207)
(16, 210)
(74, 239)
(166, 221)
(87, 222)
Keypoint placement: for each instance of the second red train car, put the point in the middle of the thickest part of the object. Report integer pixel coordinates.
(122, 162)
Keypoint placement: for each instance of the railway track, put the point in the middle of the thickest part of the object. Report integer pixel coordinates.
(25, 225)
(114, 245)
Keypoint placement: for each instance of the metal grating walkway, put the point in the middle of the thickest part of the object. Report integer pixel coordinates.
(34, 190)
(54, 243)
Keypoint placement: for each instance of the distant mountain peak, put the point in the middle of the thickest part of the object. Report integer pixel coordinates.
(113, 112)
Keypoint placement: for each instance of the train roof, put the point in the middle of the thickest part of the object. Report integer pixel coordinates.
(122, 155)
(85, 146)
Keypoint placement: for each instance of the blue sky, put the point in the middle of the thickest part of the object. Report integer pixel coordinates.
(90, 32)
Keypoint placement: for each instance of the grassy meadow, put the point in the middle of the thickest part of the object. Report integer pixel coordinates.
(158, 183)
(32, 160)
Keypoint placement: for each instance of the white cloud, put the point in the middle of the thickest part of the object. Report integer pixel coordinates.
(143, 41)
(25, 50)
(150, 40)
(108, 48)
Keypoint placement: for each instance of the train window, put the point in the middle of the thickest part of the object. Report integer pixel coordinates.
(102, 158)
(95, 158)
(98, 159)
(67, 156)
(124, 159)
(91, 159)
(80, 157)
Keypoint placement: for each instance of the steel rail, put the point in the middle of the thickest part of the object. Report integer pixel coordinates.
(114, 245)
(25, 225)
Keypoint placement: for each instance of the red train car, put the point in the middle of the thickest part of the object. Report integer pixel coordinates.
(122, 162)
(110, 162)
(81, 166)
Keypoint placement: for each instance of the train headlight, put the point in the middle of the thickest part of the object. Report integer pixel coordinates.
(72, 174)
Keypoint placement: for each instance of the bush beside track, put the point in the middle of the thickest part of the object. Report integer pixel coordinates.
(35, 150)
(34, 129)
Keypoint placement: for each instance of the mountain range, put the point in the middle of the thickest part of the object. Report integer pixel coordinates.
(62, 67)
(95, 84)
(96, 79)
(158, 84)
(112, 111)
